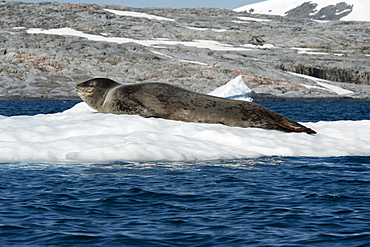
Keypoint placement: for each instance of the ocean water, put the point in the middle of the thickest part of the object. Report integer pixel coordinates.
(265, 201)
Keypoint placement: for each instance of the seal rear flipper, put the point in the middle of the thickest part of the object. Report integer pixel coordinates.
(287, 125)
(300, 129)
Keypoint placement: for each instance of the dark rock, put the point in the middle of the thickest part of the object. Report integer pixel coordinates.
(257, 40)
(330, 12)
(302, 11)
(333, 12)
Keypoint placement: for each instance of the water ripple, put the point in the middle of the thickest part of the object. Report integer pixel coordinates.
(270, 201)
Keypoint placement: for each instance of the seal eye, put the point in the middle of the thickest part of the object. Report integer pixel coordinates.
(90, 84)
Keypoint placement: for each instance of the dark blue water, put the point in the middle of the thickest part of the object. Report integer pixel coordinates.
(269, 201)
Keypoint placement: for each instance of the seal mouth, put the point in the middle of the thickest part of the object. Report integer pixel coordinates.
(84, 89)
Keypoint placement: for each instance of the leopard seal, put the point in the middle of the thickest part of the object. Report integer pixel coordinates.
(160, 100)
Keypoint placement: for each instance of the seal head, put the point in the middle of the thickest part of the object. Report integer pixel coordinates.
(94, 91)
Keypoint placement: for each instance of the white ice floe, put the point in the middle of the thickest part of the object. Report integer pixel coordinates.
(324, 84)
(208, 44)
(234, 89)
(81, 135)
(138, 15)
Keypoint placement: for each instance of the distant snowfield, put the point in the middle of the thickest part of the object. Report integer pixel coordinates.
(313, 51)
(253, 19)
(156, 17)
(81, 135)
(207, 44)
(204, 28)
(138, 14)
(210, 44)
(324, 84)
(360, 10)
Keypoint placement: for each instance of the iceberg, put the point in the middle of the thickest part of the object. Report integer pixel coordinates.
(234, 89)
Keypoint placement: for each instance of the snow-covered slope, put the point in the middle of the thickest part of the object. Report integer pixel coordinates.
(360, 8)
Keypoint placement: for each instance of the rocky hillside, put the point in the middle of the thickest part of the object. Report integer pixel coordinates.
(47, 48)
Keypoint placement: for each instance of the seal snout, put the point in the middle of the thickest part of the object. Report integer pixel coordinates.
(85, 88)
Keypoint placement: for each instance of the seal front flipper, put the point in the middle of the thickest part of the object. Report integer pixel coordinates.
(127, 105)
(153, 104)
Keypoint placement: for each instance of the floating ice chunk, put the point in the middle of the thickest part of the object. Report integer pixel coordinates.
(234, 89)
